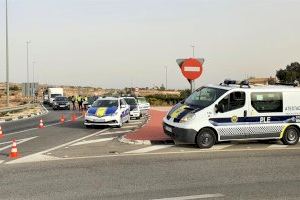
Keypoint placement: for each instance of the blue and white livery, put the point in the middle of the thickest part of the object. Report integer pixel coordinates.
(236, 112)
(109, 111)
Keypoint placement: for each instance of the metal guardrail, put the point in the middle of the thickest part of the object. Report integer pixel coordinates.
(16, 108)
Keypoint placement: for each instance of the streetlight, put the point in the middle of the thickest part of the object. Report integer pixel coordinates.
(27, 47)
(166, 67)
(193, 46)
(33, 87)
(7, 61)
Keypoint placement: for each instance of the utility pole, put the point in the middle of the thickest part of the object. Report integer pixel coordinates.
(193, 47)
(33, 86)
(27, 85)
(7, 58)
(166, 67)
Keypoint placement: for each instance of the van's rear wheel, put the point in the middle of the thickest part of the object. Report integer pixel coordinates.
(206, 138)
(290, 136)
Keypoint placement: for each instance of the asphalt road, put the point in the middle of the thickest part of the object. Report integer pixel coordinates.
(232, 175)
(111, 170)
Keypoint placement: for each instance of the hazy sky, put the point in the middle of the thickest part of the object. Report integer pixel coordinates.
(119, 43)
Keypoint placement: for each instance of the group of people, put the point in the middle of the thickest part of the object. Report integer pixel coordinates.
(80, 101)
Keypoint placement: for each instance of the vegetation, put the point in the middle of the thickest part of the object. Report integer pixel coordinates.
(290, 74)
(167, 100)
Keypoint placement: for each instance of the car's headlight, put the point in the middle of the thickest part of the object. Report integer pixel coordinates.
(187, 117)
(54, 103)
(67, 103)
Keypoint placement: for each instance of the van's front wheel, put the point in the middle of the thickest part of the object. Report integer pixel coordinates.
(206, 138)
(290, 136)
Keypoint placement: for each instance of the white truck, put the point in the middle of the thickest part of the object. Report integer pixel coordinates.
(54, 92)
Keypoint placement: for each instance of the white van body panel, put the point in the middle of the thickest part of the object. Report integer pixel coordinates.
(54, 91)
(245, 122)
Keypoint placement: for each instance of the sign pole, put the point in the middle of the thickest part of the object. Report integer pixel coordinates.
(192, 83)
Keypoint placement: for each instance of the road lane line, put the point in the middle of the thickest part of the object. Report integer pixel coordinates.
(149, 149)
(124, 127)
(92, 141)
(131, 123)
(202, 196)
(116, 132)
(275, 146)
(2, 161)
(31, 129)
(219, 147)
(39, 157)
(18, 142)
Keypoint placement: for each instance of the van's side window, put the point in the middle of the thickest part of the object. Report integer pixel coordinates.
(267, 101)
(233, 101)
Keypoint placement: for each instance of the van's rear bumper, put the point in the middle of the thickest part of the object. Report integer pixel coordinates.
(180, 135)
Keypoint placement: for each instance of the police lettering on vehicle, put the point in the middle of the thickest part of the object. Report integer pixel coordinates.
(265, 119)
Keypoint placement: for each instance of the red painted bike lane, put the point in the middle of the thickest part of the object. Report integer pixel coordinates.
(153, 130)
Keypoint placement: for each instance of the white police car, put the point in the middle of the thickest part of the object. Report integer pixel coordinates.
(236, 112)
(135, 111)
(144, 106)
(111, 111)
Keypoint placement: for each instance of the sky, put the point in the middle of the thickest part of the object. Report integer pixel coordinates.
(128, 43)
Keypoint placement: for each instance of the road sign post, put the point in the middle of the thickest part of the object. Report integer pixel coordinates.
(191, 69)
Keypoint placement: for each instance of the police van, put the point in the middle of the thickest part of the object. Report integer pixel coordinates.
(232, 111)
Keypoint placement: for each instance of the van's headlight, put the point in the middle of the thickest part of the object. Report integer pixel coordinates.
(187, 117)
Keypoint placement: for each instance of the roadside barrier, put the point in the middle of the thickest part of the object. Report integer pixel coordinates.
(1, 133)
(62, 119)
(14, 151)
(41, 125)
(74, 118)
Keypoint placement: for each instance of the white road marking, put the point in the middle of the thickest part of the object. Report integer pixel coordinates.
(116, 132)
(134, 123)
(1, 161)
(39, 157)
(219, 147)
(18, 142)
(274, 146)
(149, 149)
(202, 196)
(129, 127)
(92, 141)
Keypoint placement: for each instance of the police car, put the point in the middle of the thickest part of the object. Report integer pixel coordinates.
(111, 111)
(135, 111)
(144, 106)
(232, 111)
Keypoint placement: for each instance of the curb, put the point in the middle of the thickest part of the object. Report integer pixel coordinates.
(145, 142)
(44, 111)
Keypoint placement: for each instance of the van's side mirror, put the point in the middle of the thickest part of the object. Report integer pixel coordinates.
(123, 106)
(219, 108)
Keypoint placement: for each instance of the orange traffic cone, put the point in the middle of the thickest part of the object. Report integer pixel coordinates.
(1, 133)
(74, 118)
(41, 124)
(62, 119)
(14, 151)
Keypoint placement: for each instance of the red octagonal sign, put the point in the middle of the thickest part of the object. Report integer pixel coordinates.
(191, 68)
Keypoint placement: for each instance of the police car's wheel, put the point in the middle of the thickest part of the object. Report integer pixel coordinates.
(206, 138)
(290, 136)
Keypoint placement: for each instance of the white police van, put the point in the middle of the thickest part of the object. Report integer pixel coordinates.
(110, 111)
(236, 112)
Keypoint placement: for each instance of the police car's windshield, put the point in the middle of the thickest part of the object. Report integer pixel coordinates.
(105, 103)
(204, 97)
(141, 100)
(130, 101)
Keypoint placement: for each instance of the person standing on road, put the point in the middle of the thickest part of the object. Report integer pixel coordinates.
(73, 102)
(85, 102)
(79, 100)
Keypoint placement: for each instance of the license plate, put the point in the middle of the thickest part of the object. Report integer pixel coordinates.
(62, 105)
(168, 128)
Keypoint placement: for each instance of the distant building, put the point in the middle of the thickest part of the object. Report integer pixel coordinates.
(262, 81)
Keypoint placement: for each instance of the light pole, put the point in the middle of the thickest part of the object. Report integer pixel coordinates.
(27, 85)
(193, 46)
(33, 86)
(7, 61)
(166, 67)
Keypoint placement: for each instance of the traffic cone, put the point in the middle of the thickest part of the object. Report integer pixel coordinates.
(41, 124)
(74, 118)
(62, 119)
(1, 133)
(14, 151)
(83, 113)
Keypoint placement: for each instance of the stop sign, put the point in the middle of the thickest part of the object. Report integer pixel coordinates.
(191, 68)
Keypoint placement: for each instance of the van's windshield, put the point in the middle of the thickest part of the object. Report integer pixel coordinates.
(204, 97)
